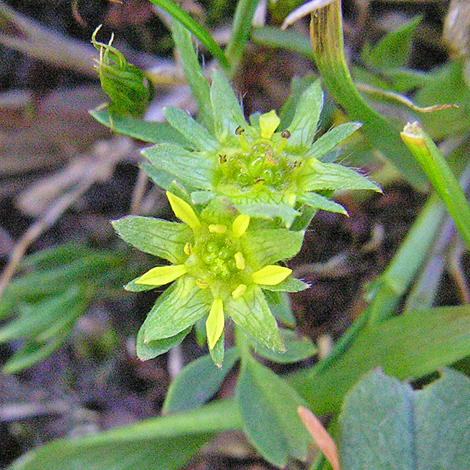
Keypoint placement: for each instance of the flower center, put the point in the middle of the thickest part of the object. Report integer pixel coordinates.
(263, 164)
(217, 261)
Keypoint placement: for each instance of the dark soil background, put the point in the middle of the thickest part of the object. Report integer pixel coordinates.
(94, 382)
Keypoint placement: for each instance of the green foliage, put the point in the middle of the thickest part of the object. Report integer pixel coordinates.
(244, 191)
(385, 424)
(56, 288)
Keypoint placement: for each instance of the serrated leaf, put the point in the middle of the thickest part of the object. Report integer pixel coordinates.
(251, 313)
(147, 131)
(177, 311)
(155, 236)
(188, 391)
(187, 167)
(298, 348)
(331, 139)
(319, 176)
(268, 406)
(268, 246)
(387, 425)
(228, 115)
(304, 123)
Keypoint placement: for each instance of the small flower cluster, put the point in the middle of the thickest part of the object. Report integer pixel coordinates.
(238, 188)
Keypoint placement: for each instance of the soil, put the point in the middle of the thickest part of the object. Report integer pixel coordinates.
(79, 390)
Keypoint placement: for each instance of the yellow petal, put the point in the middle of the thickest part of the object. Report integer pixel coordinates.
(215, 228)
(183, 211)
(162, 275)
(271, 275)
(268, 123)
(215, 323)
(239, 291)
(240, 225)
(239, 260)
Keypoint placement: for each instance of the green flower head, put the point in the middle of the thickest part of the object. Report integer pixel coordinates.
(261, 169)
(221, 261)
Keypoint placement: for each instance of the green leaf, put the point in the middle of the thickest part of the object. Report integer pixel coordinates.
(267, 246)
(187, 167)
(198, 382)
(291, 284)
(331, 139)
(395, 48)
(448, 85)
(154, 132)
(319, 176)
(241, 25)
(133, 287)
(280, 306)
(195, 133)
(164, 443)
(298, 348)
(326, 34)
(184, 305)
(159, 177)
(440, 175)
(268, 406)
(34, 351)
(422, 340)
(155, 236)
(304, 123)
(179, 14)
(319, 202)
(228, 115)
(40, 316)
(387, 425)
(251, 313)
(149, 349)
(193, 73)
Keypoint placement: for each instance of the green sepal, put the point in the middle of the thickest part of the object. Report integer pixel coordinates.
(280, 306)
(268, 406)
(228, 115)
(331, 139)
(155, 236)
(298, 348)
(269, 211)
(149, 350)
(193, 131)
(318, 176)
(187, 167)
(188, 391)
(218, 351)
(291, 284)
(319, 202)
(133, 287)
(181, 308)
(304, 123)
(159, 177)
(251, 313)
(268, 246)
